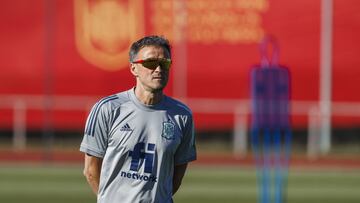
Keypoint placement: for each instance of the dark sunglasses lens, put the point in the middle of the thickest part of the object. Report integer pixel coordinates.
(165, 64)
(151, 64)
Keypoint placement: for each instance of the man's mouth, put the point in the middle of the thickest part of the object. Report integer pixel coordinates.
(158, 78)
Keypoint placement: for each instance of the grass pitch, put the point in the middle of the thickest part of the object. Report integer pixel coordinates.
(55, 184)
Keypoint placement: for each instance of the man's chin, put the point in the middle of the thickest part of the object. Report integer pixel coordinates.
(157, 89)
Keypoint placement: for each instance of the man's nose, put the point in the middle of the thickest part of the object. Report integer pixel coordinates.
(159, 68)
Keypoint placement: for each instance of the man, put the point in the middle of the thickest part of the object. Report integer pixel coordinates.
(138, 143)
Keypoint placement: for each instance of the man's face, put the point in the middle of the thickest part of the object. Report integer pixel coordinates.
(151, 79)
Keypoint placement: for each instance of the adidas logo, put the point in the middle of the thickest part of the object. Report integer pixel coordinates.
(126, 127)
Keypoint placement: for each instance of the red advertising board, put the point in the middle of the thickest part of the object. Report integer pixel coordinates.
(83, 45)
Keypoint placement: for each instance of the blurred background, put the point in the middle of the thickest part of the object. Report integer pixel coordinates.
(58, 57)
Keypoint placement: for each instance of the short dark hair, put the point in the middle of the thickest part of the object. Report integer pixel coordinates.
(152, 40)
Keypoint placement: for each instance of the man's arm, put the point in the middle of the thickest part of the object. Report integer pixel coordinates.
(179, 172)
(92, 171)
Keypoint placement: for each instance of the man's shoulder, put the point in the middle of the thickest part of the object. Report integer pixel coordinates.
(179, 106)
(114, 100)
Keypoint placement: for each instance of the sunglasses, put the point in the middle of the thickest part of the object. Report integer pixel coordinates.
(154, 63)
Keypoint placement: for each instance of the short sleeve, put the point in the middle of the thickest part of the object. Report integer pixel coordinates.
(186, 152)
(96, 131)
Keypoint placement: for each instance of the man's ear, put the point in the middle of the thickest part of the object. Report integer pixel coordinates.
(133, 70)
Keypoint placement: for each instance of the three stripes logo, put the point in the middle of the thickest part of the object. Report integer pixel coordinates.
(126, 127)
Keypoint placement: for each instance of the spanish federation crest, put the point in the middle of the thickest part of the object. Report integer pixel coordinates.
(168, 130)
(105, 29)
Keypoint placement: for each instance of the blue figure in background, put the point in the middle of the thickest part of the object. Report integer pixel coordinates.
(271, 129)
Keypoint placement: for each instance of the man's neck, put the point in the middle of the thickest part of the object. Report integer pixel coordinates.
(147, 97)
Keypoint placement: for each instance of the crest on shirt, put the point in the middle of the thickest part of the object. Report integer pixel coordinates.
(168, 130)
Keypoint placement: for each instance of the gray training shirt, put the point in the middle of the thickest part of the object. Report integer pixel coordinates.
(139, 145)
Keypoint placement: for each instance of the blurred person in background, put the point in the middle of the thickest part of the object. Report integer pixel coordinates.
(138, 143)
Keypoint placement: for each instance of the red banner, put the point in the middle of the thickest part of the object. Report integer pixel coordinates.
(85, 43)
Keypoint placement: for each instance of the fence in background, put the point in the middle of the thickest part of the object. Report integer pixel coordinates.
(240, 109)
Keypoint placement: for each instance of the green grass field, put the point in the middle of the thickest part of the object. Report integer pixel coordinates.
(55, 184)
